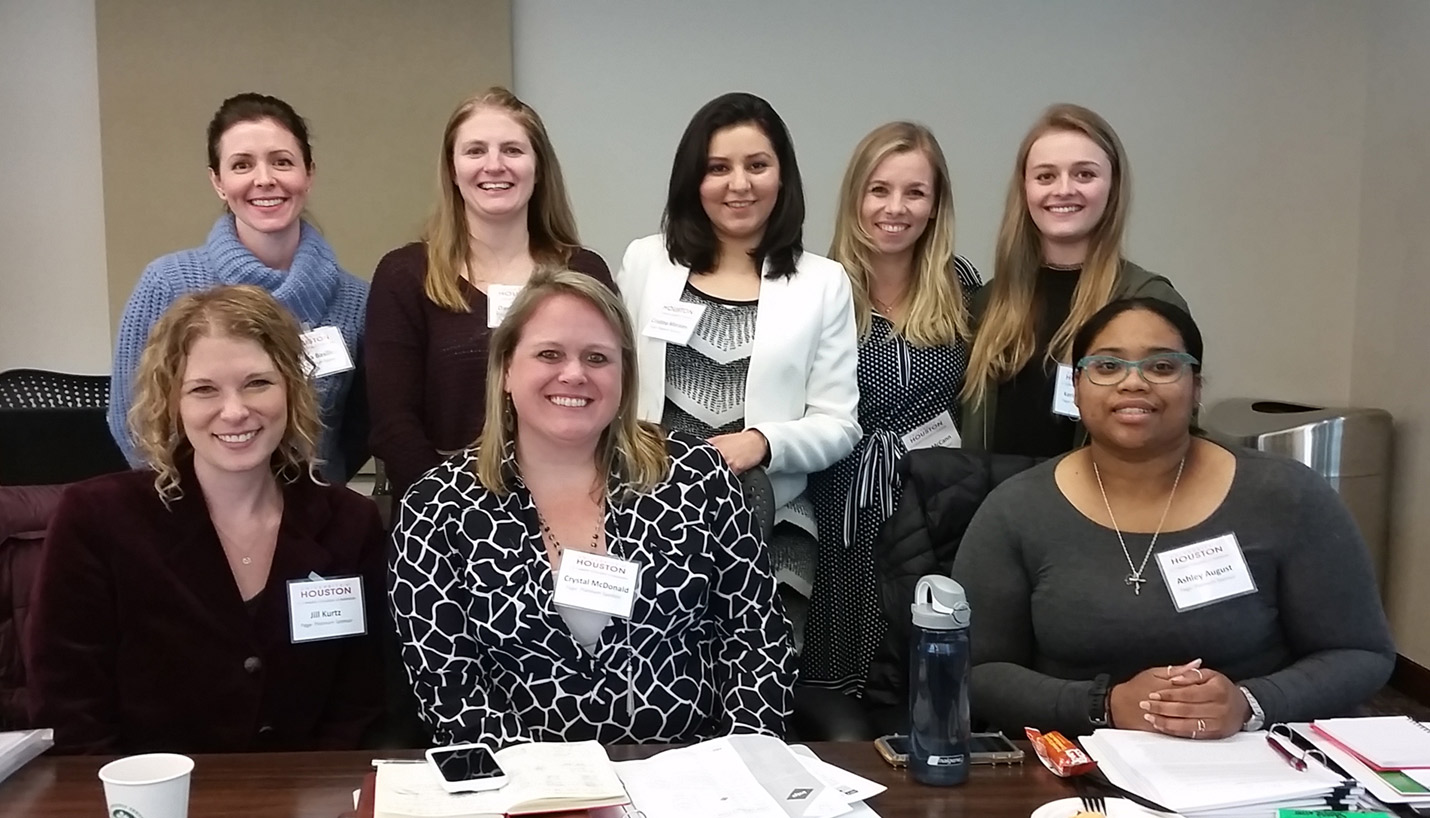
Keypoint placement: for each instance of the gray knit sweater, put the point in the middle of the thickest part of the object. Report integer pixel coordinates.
(1051, 610)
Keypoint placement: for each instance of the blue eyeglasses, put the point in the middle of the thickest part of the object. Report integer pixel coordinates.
(1162, 368)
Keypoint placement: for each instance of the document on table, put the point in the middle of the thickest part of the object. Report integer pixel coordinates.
(1237, 771)
(712, 784)
(745, 776)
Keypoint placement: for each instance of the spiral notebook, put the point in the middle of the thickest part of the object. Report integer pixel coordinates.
(1382, 742)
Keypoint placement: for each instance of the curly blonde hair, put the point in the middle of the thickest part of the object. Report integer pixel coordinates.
(241, 312)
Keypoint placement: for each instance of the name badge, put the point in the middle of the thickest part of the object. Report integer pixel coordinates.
(499, 298)
(326, 609)
(597, 582)
(675, 323)
(326, 352)
(1206, 572)
(1064, 402)
(938, 432)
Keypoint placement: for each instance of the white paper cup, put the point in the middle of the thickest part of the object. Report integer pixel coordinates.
(155, 785)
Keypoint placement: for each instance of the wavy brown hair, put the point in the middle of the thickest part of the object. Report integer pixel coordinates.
(549, 221)
(1006, 335)
(630, 450)
(240, 312)
(937, 314)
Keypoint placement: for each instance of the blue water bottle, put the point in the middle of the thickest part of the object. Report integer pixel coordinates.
(939, 666)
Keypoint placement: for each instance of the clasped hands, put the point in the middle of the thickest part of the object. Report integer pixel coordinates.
(1180, 700)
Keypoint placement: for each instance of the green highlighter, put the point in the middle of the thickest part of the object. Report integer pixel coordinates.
(1321, 813)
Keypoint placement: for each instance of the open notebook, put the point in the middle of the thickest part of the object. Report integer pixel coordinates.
(1382, 742)
(541, 777)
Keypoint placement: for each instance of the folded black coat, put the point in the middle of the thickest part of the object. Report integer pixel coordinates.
(942, 488)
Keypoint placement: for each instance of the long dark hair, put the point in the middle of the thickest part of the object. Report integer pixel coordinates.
(689, 236)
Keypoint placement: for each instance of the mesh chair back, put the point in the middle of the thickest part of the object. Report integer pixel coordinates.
(39, 389)
(53, 428)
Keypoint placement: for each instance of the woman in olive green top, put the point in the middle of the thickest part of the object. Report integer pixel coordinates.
(1059, 260)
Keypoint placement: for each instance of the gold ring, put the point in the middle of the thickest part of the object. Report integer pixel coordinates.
(1197, 671)
(1194, 734)
(1169, 670)
(1201, 724)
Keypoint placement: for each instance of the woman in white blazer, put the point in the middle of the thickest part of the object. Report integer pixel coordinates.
(746, 339)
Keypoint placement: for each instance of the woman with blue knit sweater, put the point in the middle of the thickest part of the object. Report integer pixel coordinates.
(261, 167)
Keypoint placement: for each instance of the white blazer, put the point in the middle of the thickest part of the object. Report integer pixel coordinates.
(802, 390)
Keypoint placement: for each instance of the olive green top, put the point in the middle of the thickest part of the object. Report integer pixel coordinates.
(1132, 282)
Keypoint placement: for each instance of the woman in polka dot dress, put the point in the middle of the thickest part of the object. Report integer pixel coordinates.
(894, 236)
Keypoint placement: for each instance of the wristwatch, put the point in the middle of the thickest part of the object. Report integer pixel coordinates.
(1098, 709)
(1258, 716)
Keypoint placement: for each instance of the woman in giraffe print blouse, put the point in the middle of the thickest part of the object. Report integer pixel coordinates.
(564, 470)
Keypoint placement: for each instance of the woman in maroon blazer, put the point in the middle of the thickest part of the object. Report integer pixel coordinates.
(222, 600)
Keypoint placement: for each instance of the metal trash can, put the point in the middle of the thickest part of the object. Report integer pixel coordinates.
(1349, 447)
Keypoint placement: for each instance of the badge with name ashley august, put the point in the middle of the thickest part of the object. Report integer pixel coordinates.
(1064, 398)
(597, 582)
(499, 298)
(326, 608)
(1206, 572)
(326, 352)
(675, 323)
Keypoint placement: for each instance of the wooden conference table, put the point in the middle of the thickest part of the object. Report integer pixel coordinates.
(320, 785)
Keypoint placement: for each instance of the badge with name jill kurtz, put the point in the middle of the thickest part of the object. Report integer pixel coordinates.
(326, 609)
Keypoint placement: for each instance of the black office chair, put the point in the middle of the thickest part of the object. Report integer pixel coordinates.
(755, 484)
(53, 428)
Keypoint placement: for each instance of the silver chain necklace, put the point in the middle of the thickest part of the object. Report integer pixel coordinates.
(1135, 578)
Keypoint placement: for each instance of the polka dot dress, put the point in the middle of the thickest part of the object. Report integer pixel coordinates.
(901, 387)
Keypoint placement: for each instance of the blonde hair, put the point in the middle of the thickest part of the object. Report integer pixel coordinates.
(629, 449)
(1005, 337)
(549, 221)
(937, 314)
(240, 312)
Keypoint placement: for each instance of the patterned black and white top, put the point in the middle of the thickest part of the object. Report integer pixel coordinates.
(707, 650)
(901, 387)
(705, 378)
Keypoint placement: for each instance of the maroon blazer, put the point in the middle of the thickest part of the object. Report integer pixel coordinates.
(139, 640)
(427, 366)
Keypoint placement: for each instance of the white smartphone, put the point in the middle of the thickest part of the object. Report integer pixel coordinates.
(467, 768)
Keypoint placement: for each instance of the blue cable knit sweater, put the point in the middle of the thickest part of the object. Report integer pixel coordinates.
(315, 289)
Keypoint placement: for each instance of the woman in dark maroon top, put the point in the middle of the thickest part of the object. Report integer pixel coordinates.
(502, 212)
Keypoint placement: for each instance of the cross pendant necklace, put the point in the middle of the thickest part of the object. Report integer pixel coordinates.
(1135, 578)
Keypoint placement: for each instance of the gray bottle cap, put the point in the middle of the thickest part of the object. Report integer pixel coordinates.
(939, 604)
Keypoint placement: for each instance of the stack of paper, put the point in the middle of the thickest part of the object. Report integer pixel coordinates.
(1241, 775)
(747, 776)
(17, 748)
(1336, 738)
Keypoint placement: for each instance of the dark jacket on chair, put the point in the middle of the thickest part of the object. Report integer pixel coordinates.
(942, 490)
(25, 512)
(139, 640)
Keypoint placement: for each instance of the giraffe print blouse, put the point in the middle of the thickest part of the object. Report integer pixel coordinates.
(707, 650)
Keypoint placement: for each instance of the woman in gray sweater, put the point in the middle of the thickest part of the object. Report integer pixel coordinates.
(1155, 580)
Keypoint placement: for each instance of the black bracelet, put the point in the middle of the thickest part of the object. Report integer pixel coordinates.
(1098, 709)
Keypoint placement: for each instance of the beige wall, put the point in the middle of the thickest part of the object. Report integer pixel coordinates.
(375, 79)
(54, 300)
(1391, 359)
